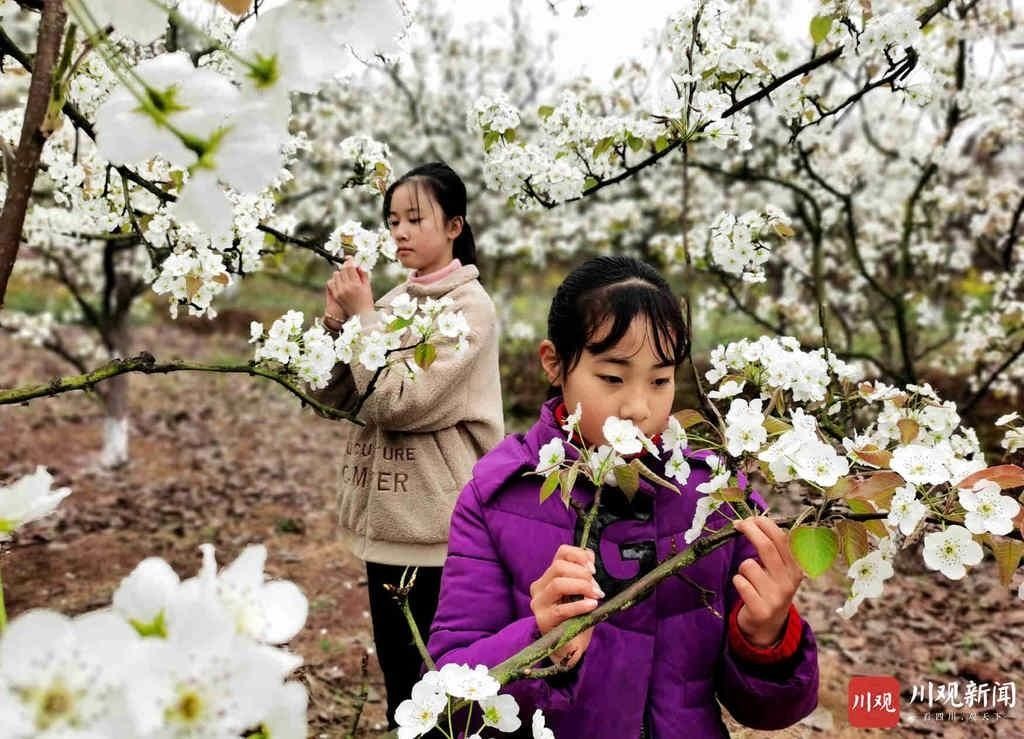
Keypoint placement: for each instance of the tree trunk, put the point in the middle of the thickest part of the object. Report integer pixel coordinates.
(115, 425)
(35, 129)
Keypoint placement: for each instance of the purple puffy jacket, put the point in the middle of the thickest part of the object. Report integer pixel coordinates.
(655, 669)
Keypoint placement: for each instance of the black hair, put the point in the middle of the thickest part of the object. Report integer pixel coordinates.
(449, 191)
(618, 289)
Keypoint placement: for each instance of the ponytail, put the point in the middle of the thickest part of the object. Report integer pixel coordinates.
(464, 247)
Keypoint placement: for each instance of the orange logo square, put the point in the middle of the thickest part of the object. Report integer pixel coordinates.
(874, 701)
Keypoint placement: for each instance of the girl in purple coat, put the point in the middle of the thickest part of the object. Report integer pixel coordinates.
(724, 630)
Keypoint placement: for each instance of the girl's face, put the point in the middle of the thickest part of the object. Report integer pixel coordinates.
(628, 380)
(419, 227)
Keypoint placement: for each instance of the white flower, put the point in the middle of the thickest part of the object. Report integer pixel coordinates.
(142, 598)
(1013, 440)
(552, 455)
(920, 465)
(1007, 419)
(950, 551)
(61, 677)
(269, 612)
(678, 468)
(462, 682)
(849, 608)
(705, 507)
(603, 461)
(285, 717)
(572, 420)
(987, 509)
(28, 498)
(404, 306)
(905, 510)
(869, 574)
(673, 438)
(501, 712)
(255, 332)
(453, 325)
(623, 435)
(418, 714)
(540, 731)
(744, 430)
(728, 389)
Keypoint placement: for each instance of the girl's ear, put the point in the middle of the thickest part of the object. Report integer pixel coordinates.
(550, 363)
(454, 227)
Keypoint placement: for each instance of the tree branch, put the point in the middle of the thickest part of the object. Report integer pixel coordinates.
(34, 132)
(146, 364)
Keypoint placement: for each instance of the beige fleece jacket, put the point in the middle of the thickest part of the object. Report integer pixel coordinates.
(399, 475)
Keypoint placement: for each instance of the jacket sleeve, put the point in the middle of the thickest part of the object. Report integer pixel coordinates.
(476, 622)
(437, 398)
(766, 696)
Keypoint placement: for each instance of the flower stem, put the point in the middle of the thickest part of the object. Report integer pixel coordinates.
(469, 717)
(589, 520)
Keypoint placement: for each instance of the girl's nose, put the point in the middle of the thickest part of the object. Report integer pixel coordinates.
(635, 408)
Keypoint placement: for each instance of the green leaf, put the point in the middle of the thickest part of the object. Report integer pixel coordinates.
(820, 26)
(729, 495)
(863, 506)
(661, 143)
(815, 548)
(509, 135)
(628, 479)
(648, 474)
(490, 139)
(549, 486)
(688, 418)
(545, 111)
(399, 323)
(425, 355)
(568, 481)
(602, 146)
(589, 183)
(634, 142)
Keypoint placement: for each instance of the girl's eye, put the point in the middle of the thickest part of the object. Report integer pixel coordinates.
(415, 220)
(612, 379)
(392, 224)
(663, 381)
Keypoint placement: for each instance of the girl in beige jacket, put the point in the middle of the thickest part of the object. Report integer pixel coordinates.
(400, 474)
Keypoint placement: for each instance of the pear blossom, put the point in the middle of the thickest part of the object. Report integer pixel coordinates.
(418, 714)
(744, 430)
(269, 612)
(920, 465)
(540, 730)
(988, 509)
(673, 438)
(552, 454)
(905, 510)
(622, 434)
(404, 306)
(572, 421)
(727, 389)
(951, 551)
(1007, 419)
(142, 598)
(501, 712)
(705, 507)
(62, 677)
(602, 463)
(475, 683)
(678, 468)
(28, 498)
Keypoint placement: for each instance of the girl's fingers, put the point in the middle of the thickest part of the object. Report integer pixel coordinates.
(755, 574)
(560, 587)
(751, 598)
(578, 555)
(766, 548)
(565, 611)
(564, 568)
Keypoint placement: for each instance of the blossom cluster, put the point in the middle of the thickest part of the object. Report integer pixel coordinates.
(407, 323)
(437, 692)
(169, 658)
(738, 244)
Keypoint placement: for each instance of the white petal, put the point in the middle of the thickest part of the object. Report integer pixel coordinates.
(203, 202)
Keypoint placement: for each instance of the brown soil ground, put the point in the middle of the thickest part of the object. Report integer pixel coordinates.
(232, 460)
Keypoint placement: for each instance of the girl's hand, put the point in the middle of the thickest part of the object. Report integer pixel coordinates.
(767, 586)
(349, 290)
(571, 574)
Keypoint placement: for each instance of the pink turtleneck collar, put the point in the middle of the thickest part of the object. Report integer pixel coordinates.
(433, 277)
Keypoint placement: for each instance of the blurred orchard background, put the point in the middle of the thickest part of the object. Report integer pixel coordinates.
(846, 173)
